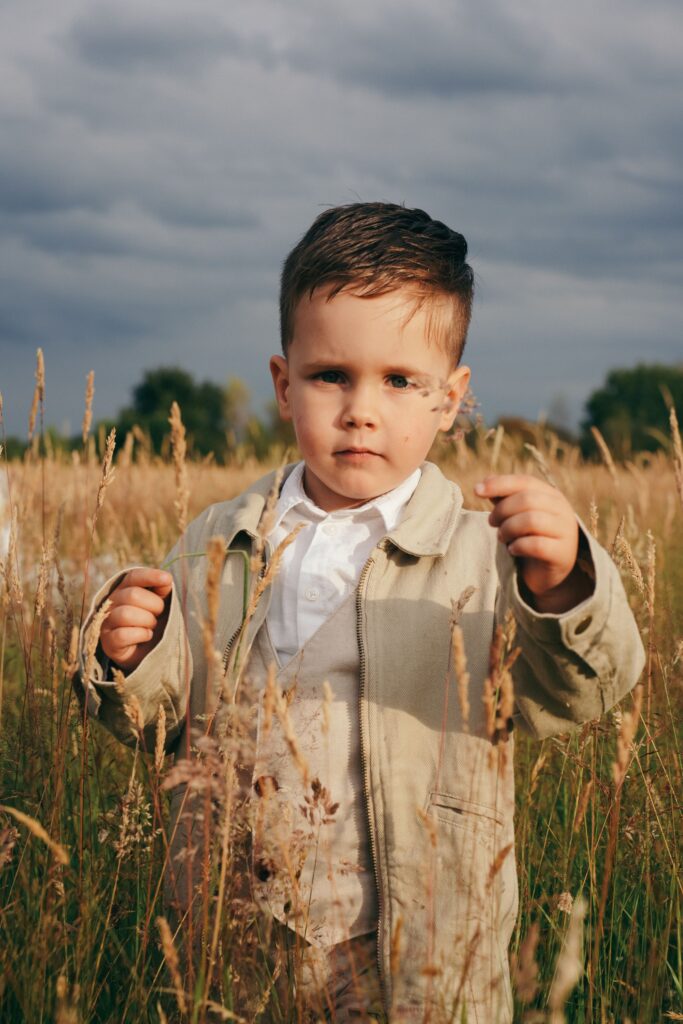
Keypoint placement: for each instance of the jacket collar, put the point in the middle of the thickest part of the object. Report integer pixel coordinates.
(430, 515)
(426, 528)
(250, 505)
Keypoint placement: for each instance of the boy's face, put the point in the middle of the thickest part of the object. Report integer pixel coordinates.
(366, 393)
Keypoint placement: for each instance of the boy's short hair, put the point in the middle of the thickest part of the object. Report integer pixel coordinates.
(374, 248)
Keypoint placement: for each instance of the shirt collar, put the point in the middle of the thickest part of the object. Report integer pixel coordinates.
(389, 506)
(427, 527)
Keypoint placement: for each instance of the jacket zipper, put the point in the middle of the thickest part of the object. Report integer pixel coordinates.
(228, 647)
(362, 704)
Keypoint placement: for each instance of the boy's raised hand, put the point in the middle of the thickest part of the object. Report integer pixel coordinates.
(538, 526)
(136, 619)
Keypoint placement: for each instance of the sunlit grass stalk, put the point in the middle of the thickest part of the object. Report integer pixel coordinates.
(677, 451)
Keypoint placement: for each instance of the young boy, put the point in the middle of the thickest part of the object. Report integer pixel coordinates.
(417, 900)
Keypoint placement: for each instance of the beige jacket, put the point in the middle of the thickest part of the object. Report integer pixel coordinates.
(440, 796)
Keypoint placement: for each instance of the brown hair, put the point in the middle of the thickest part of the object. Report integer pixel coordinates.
(374, 248)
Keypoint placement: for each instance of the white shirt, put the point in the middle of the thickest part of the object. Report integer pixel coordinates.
(321, 567)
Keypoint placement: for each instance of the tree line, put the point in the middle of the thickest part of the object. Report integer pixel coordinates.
(630, 409)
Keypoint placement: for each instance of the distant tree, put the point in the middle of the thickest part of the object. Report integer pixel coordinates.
(217, 419)
(236, 406)
(14, 447)
(630, 410)
(281, 432)
(202, 405)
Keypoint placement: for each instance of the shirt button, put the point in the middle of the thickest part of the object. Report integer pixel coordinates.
(330, 529)
(311, 594)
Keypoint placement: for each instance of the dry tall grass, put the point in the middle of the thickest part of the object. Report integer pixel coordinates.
(83, 936)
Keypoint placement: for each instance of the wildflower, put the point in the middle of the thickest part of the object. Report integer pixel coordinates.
(565, 902)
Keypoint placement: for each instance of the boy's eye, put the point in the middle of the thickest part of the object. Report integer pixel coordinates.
(399, 381)
(329, 376)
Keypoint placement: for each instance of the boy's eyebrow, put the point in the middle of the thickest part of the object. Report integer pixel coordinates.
(338, 364)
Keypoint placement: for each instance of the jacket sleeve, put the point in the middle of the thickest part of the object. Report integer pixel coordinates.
(161, 679)
(574, 666)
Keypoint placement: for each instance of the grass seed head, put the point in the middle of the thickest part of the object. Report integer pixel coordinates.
(45, 562)
(107, 471)
(173, 962)
(651, 574)
(160, 742)
(38, 393)
(524, 966)
(462, 676)
(87, 413)
(179, 450)
(10, 567)
(70, 663)
(38, 831)
(625, 737)
(606, 455)
(624, 552)
(92, 639)
(677, 451)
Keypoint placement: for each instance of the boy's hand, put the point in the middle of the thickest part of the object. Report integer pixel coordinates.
(136, 619)
(538, 526)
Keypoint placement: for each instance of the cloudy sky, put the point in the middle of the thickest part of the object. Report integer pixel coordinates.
(159, 159)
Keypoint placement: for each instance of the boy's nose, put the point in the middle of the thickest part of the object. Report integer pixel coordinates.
(360, 410)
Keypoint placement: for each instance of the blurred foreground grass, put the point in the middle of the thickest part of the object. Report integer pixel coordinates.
(598, 813)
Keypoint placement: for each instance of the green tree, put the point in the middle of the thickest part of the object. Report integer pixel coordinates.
(630, 409)
(202, 405)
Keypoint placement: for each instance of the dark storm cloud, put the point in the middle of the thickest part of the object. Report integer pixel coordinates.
(14, 330)
(202, 212)
(132, 40)
(442, 52)
(31, 184)
(159, 160)
(74, 317)
(57, 203)
(82, 239)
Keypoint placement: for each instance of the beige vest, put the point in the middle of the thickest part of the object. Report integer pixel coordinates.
(311, 858)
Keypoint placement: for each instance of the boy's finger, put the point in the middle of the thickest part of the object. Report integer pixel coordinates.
(138, 597)
(530, 524)
(543, 549)
(152, 579)
(130, 615)
(526, 501)
(502, 485)
(118, 640)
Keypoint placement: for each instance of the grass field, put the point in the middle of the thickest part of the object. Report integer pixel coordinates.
(81, 827)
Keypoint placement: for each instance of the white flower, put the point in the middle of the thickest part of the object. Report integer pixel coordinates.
(565, 902)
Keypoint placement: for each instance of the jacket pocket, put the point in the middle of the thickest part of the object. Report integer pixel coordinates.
(473, 901)
(474, 876)
(477, 841)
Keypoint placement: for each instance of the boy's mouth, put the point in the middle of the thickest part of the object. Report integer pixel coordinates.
(359, 453)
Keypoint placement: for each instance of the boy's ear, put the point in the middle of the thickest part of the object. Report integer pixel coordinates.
(279, 371)
(456, 389)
